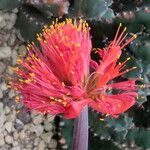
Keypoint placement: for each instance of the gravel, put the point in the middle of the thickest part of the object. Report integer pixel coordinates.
(5, 52)
(9, 139)
(2, 67)
(20, 129)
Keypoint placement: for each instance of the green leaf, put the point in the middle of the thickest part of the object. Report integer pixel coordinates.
(10, 4)
(30, 21)
(141, 114)
(67, 131)
(141, 137)
(98, 9)
(141, 48)
(95, 143)
(98, 127)
(120, 126)
(123, 122)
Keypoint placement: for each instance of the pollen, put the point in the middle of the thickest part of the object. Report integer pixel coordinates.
(101, 119)
(28, 81)
(32, 74)
(78, 44)
(63, 83)
(51, 97)
(59, 100)
(142, 86)
(64, 103)
(19, 61)
(33, 67)
(135, 36)
(134, 67)
(128, 58)
(17, 98)
(141, 78)
(68, 94)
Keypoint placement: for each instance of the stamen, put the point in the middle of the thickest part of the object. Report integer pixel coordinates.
(129, 41)
(119, 38)
(117, 34)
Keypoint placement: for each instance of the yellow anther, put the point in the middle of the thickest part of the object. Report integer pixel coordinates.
(128, 58)
(8, 86)
(21, 80)
(63, 83)
(28, 81)
(64, 103)
(118, 56)
(68, 94)
(142, 86)
(32, 74)
(135, 36)
(19, 60)
(15, 69)
(33, 67)
(28, 58)
(51, 97)
(17, 111)
(101, 119)
(64, 98)
(59, 100)
(107, 115)
(120, 24)
(141, 78)
(45, 41)
(27, 48)
(78, 45)
(134, 67)
(17, 98)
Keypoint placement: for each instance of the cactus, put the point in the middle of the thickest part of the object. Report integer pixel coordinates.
(10, 4)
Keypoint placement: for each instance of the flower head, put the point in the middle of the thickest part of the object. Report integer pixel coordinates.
(108, 69)
(52, 81)
(57, 79)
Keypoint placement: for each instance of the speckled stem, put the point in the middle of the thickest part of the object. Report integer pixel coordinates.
(80, 138)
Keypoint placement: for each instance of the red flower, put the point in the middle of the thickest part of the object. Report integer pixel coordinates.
(107, 70)
(52, 81)
(57, 80)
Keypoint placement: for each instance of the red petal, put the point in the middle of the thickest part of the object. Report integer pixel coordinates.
(125, 85)
(114, 104)
(75, 109)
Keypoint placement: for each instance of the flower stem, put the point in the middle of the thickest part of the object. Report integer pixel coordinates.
(80, 138)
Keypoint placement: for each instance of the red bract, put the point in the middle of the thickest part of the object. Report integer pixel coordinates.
(56, 80)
